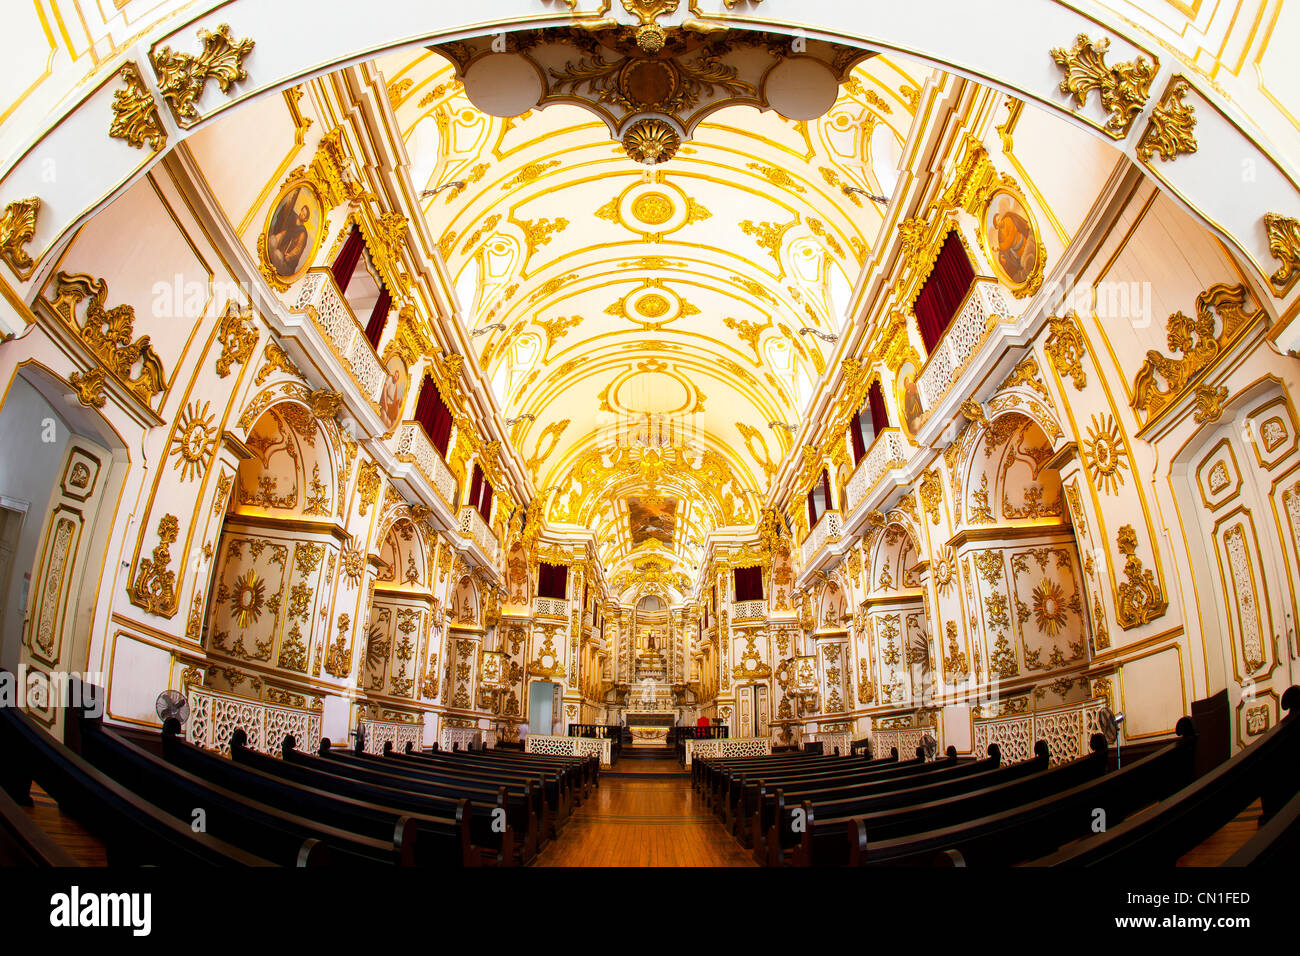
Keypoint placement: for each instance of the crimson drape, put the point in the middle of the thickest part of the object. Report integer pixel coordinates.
(876, 401)
(378, 317)
(943, 291)
(859, 440)
(475, 487)
(749, 584)
(433, 414)
(552, 580)
(345, 263)
(485, 505)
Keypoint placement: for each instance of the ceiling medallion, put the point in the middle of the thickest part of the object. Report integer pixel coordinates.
(652, 208)
(654, 81)
(651, 141)
(652, 306)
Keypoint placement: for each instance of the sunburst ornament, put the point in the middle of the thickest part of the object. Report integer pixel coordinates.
(248, 598)
(1103, 454)
(354, 565)
(1049, 607)
(196, 440)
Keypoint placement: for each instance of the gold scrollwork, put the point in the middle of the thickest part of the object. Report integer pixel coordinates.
(1169, 131)
(1065, 348)
(182, 76)
(1123, 88)
(1139, 599)
(107, 334)
(1284, 246)
(17, 226)
(154, 588)
(651, 141)
(237, 335)
(135, 114)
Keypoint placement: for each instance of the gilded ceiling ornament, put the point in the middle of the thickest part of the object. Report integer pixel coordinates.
(1139, 599)
(238, 336)
(182, 76)
(1026, 373)
(135, 114)
(196, 440)
(650, 36)
(1209, 403)
(1103, 454)
(154, 587)
(275, 359)
(17, 226)
(1197, 341)
(89, 387)
(1169, 131)
(651, 141)
(107, 334)
(1284, 246)
(1123, 88)
(1065, 348)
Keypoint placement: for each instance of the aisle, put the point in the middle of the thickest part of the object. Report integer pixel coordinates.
(654, 819)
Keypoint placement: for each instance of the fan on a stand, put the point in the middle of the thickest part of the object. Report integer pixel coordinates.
(172, 705)
(1109, 723)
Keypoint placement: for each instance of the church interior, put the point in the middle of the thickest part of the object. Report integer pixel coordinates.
(650, 432)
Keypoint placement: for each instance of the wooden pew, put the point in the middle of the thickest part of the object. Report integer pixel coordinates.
(1268, 770)
(721, 781)
(584, 769)
(1026, 829)
(260, 828)
(439, 841)
(517, 804)
(134, 831)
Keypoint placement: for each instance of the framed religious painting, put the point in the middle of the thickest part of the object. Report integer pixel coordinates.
(1010, 240)
(292, 234)
(393, 394)
(908, 398)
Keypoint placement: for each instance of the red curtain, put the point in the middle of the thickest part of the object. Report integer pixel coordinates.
(378, 317)
(749, 584)
(432, 413)
(475, 487)
(485, 506)
(346, 261)
(858, 439)
(876, 401)
(943, 291)
(826, 489)
(552, 580)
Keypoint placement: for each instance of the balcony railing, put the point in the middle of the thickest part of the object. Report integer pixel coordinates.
(887, 452)
(412, 445)
(748, 611)
(827, 531)
(552, 607)
(982, 309)
(473, 526)
(319, 296)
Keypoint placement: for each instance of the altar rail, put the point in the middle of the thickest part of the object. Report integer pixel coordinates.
(215, 716)
(1067, 731)
(843, 742)
(729, 747)
(380, 732)
(570, 747)
(463, 738)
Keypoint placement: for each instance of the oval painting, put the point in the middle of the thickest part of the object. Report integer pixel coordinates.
(1010, 239)
(293, 230)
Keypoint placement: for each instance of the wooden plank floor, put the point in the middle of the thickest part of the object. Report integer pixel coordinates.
(644, 822)
(81, 844)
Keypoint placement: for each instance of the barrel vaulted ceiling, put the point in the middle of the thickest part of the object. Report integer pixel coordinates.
(642, 325)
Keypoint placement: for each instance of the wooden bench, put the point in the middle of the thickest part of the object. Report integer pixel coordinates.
(134, 831)
(1267, 770)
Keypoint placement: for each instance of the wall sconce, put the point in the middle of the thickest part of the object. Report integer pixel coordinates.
(475, 333)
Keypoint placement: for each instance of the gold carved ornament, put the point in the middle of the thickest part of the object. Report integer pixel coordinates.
(651, 141)
(1284, 246)
(1139, 599)
(1209, 403)
(1169, 131)
(107, 334)
(154, 587)
(238, 337)
(89, 387)
(1065, 348)
(17, 226)
(1123, 88)
(135, 114)
(182, 76)
(1200, 345)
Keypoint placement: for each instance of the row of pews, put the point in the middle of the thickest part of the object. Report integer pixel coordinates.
(157, 800)
(809, 809)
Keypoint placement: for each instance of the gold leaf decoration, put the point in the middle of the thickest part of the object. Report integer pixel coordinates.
(182, 76)
(651, 141)
(1169, 131)
(135, 114)
(237, 335)
(1139, 599)
(154, 587)
(1284, 246)
(1064, 347)
(1123, 88)
(17, 226)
